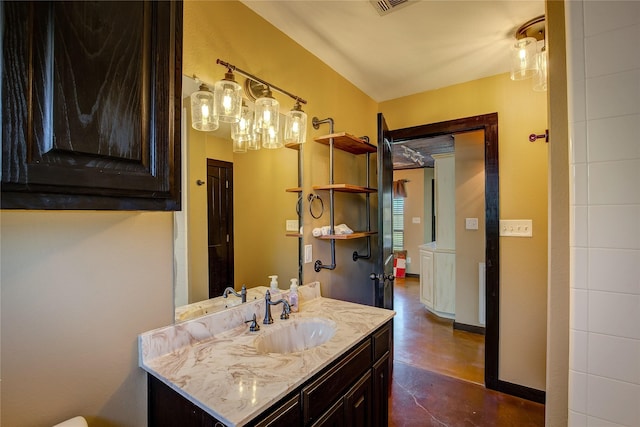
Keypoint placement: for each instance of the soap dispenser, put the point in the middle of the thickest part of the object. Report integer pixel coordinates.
(274, 285)
(293, 295)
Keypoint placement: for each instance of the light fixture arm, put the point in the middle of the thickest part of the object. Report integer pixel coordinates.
(258, 79)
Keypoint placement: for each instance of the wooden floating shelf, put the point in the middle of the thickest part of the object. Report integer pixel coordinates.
(293, 145)
(354, 235)
(294, 190)
(346, 142)
(346, 188)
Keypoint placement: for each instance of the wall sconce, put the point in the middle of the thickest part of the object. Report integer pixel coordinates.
(228, 98)
(527, 60)
(203, 112)
(295, 128)
(251, 128)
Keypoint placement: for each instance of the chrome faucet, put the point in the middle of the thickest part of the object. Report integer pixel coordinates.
(286, 308)
(242, 294)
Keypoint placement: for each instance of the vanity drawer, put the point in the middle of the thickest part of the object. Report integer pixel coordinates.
(318, 395)
(381, 342)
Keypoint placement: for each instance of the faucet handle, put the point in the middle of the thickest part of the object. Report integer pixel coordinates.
(253, 327)
(285, 312)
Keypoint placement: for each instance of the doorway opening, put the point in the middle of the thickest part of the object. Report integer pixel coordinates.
(489, 124)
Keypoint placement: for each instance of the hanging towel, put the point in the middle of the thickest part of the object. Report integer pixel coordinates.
(399, 188)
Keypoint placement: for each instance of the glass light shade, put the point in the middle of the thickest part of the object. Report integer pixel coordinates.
(267, 113)
(523, 64)
(295, 127)
(254, 142)
(243, 128)
(203, 111)
(271, 139)
(540, 79)
(228, 99)
(255, 139)
(240, 145)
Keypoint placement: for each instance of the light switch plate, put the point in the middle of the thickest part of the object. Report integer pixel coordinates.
(308, 253)
(516, 227)
(415, 220)
(471, 223)
(292, 225)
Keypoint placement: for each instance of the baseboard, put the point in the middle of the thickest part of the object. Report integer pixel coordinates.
(521, 391)
(469, 328)
(414, 275)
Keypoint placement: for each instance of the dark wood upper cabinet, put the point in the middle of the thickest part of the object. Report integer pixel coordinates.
(91, 103)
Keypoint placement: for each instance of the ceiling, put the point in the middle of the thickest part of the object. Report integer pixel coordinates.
(419, 46)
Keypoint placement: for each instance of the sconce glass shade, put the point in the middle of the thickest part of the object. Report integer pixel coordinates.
(228, 99)
(295, 127)
(523, 64)
(243, 128)
(239, 145)
(271, 139)
(254, 142)
(203, 112)
(540, 79)
(267, 113)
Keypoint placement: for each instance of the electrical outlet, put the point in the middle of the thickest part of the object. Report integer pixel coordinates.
(408, 260)
(308, 253)
(516, 227)
(471, 223)
(292, 225)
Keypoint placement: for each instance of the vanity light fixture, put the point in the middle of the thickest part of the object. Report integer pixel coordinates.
(529, 54)
(295, 128)
(203, 112)
(254, 128)
(228, 98)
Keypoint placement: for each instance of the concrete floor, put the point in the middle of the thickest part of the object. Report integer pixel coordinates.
(438, 374)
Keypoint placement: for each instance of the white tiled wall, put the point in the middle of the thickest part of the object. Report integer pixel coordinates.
(603, 56)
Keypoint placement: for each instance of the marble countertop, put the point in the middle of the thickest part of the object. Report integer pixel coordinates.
(212, 360)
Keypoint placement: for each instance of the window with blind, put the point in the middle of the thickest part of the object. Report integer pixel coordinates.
(398, 223)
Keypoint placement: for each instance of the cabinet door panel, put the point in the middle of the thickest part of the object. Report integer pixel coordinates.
(426, 278)
(381, 392)
(92, 108)
(334, 417)
(357, 403)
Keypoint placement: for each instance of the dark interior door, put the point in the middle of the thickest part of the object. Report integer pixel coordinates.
(220, 225)
(384, 263)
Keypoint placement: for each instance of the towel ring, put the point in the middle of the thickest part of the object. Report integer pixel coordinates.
(311, 198)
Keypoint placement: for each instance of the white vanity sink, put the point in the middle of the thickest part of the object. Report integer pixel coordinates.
(294, 335)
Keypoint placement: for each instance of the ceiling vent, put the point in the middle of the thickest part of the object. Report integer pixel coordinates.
(384, 7)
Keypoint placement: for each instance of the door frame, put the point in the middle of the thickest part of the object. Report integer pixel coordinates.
(488, 123)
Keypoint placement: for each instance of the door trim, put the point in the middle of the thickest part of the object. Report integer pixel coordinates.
(488, 123)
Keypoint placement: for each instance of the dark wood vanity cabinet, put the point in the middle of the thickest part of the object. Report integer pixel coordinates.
(91, 102)
(352, 392)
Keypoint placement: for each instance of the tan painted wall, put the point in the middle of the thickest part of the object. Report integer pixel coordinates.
(523, 195)
(413, 208)
(558, 310)
(470, 244)
(77, 289)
